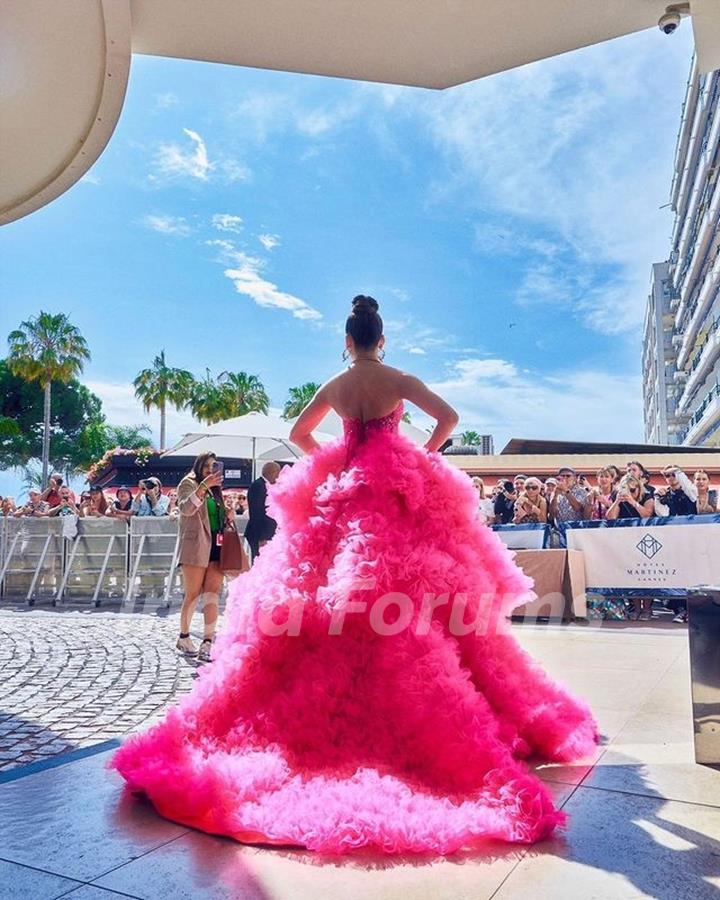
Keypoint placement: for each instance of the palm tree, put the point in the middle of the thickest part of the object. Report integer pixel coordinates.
(161, 385)
(470, 439)
(207, 402)
(129, 437)
(45, 349)
(298, 399)
(243, 393)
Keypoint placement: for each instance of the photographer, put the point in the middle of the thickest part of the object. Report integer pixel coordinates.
(203, 514)
(66, 506)
(636, 468)
(632, 500)
(569, 498)
(504, 505)
(149, 500)
(679, 498)
(96, 504)
(51, 494)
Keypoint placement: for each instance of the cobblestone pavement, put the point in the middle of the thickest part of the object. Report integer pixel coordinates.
(71, 679)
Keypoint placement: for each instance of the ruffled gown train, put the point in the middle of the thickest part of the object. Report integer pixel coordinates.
(365, 688)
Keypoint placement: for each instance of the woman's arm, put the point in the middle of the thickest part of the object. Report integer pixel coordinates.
(416, 392)
(613, 510)
(543, 508)
(308, 421)
(190, 496)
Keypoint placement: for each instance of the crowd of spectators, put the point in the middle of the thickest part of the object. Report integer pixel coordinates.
(148, 500)
(615, 494)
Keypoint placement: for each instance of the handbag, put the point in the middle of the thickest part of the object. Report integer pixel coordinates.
(233, 557)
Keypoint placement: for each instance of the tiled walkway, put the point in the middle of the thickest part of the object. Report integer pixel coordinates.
(73, 679)
(644, 819)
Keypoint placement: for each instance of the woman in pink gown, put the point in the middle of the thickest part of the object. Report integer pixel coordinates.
(366, 689)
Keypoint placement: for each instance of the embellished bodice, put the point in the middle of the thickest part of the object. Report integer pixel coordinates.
(356, 431)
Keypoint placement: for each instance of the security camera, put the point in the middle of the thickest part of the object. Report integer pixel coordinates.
(669, 22)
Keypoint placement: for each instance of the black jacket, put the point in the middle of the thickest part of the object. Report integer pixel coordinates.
(260, 526)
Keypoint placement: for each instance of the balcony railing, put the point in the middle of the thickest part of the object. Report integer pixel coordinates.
(701, 364)
(700, 412)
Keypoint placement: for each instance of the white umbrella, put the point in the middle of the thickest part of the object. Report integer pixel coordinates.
(252, 436)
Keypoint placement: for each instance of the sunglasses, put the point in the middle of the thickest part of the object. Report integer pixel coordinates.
(668, 475)
(532, 487)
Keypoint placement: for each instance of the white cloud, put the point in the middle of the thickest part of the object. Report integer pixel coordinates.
(263, 114)
(269, 241)
(574, 149)
(174, 161)
(89, 178)
(273, 113)
(411, 336)
(232, 170)
(495, 396)
(496, 239)
(166, 100)
(321, 120)
(245, 274)
(172, 225)
(226, 222)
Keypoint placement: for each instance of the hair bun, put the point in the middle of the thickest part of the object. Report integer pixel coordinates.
(363, 304)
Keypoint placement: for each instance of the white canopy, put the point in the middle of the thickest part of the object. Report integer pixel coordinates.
(253, 436)
(262, 437)
(64, 66)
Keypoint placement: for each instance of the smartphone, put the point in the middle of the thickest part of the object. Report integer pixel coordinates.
(218, 467)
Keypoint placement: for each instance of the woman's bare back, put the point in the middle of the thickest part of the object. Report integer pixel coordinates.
(370, 390)
(367, 390)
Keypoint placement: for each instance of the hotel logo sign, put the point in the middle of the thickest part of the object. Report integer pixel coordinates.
(649, 546)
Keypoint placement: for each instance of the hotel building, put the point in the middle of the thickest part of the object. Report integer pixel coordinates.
(681, 346)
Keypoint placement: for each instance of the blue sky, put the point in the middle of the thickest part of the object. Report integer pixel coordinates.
(507, 228)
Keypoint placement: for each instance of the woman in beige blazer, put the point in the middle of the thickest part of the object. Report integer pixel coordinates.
(202, 519)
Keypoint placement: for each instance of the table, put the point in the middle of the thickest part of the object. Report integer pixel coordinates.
(559, 577)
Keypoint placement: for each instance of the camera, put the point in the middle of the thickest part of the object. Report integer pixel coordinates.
(669, 22)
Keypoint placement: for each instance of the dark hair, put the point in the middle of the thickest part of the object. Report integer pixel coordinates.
(364, 324)
(643, 471)
(197, 471)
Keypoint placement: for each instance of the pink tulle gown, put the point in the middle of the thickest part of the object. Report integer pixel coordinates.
(366, 689)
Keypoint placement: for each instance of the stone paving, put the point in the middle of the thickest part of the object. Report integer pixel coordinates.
(75, 678)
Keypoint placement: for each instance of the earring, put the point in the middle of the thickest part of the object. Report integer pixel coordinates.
(381, 354)
(345, 355)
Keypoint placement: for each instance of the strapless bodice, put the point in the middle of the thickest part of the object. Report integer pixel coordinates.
(356, 431)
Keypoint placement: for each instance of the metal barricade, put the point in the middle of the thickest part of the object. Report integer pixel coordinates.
(34, 558)
(153, 560)
(96, 564)
(99, 559)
